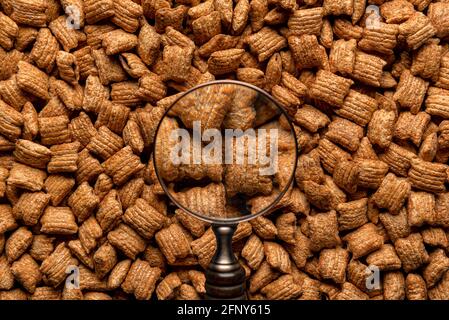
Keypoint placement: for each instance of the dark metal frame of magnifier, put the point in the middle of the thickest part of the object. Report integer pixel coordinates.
(225, 277)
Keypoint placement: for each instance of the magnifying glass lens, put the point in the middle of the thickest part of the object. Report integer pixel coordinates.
(225, 152)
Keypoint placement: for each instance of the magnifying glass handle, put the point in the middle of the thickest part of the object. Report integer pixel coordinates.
(225, 277)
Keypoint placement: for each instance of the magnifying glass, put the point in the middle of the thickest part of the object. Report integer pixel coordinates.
(225, 152)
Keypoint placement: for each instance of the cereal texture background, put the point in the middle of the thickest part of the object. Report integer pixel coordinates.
(79, 108)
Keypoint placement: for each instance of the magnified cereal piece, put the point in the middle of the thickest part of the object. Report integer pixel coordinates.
(417, 30)
(126, 240)
(55, 265)
(415, 287)
(364, 240)
(411, 251)
(141, 280)
(427, 176)
(30, 206)
(58, 220)
(438, 265)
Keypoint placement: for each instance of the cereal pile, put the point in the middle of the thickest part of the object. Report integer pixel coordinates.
(78, 111)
